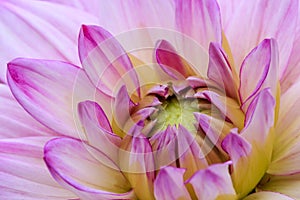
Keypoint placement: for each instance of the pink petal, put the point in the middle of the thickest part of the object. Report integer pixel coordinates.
(291, 73)
(135, 14)
(169, 184)
(46, 90)
(98, 130)
(137, 162)
(227, 9)
(260, 117)
(160, 90)
(214, 129)
(259, 71)
(219, 70)
(172, 63)
(199, 19)
(105, 61)
(92, 112)
(122, 110)
(213, 182)
(37, 22)
(236, 146)
(229, 107)
(23, 172)
(252, 163)
(164, 147)
(15, 121)
(196, 82)
(190, 155)
(258, 16)
(178, 147)
(69, 160)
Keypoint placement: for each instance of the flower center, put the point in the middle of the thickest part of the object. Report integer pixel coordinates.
(176, 110)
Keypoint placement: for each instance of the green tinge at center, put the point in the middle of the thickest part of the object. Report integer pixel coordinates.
(176, 111)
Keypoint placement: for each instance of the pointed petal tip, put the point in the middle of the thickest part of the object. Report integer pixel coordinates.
(236, 146)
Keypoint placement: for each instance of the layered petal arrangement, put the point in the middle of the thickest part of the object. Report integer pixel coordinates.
(165, 100)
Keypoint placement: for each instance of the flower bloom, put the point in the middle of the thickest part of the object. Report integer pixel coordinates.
(202, 112)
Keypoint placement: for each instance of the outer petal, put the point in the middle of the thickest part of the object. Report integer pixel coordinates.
(286, 162)
(259, 71)
(285, 158)
(105, 61)
(39, 31)
(199, 19)
(84, 170)
(258, 16)
(135, 14)
(169, 184)
(98, 130)
(213, 182)
(15, 121)
(23, 173)
(267, 195)
(288, 185)
(228, 8)
(50, 91)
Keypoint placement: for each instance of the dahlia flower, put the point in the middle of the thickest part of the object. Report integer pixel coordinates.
(192, 99)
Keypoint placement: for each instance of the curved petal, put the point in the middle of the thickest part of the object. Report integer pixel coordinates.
(190, 155)
(15, 121)
(267, 195)
(286, 144)
(97, 128)
(259, 71)
(164, 145)
(105, 61)
(258, 123)
(172, 63)
(228, 107)
(213, 183)
(137, 162)
(169, 184)
(39, 31)
(122, 121)
(236, 146)
(251, 150)
(216, 129)
(23, 172)
(258, 16)
(199, 19)
(69, 160)
(291, 73)
(287, 185)
(219, 70)
(287, 162)
(50, 91)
